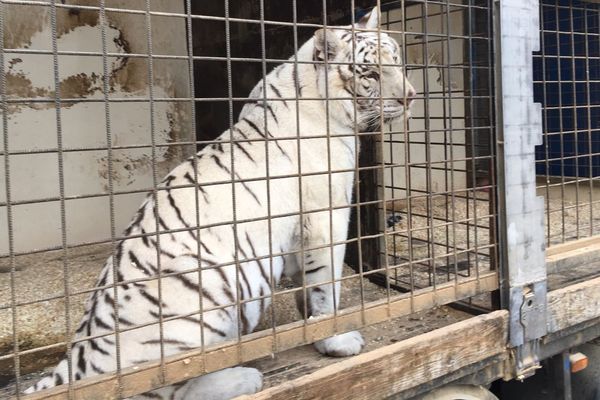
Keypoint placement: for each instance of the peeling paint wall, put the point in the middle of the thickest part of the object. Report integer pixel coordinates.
(446, 107)
(32, 125)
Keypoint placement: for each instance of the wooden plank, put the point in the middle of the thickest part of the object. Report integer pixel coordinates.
(558, 249)
(151, 375)
(573, 304)
(569, 255)
(400, 366)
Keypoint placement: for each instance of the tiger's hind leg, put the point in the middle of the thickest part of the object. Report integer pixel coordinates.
(221, 385)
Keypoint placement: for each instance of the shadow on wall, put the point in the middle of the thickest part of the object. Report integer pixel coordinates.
(33, 124)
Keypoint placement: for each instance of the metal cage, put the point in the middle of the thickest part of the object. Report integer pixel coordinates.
(102, 98)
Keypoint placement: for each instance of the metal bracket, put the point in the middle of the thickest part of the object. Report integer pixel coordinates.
(527, 326)
(529, 304)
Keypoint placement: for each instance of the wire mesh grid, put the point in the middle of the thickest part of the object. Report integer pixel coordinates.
(440, 180)
(566, 83)
(101, 99)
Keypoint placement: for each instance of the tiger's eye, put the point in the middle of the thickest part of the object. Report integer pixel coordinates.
(372, 75)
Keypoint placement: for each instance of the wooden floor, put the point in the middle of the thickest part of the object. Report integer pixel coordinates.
(291, 364)
(573, 262)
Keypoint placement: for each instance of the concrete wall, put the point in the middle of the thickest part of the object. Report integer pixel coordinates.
(33, 125)
(444, 112)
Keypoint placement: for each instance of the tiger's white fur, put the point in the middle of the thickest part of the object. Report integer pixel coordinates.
(201, 182)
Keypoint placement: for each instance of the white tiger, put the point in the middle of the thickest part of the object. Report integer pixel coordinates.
(227, 240)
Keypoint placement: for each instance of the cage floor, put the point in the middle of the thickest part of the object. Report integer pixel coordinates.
(294, 363)
(572, 210)
(41, 319)
(438, 240)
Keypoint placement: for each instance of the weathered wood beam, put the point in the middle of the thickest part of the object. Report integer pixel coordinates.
(392, 369)
(573, 305)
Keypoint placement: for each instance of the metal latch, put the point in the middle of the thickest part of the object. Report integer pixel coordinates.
(527, 359)
(532, 319)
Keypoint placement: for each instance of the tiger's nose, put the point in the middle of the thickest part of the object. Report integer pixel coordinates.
(410, 96)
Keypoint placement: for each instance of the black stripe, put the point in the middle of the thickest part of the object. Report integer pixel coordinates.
(58, 380)
(151, 299)
(205, 324)
(109, 300)
(82, 326)
(102, 280)
(217, 146)
(95, 368)
(245, 278)
(239, 146)
(97, 348)
(192, 286)
(81, 359)
(213, 329)
(152, 267)
(101, 324)
(161, 251)
(120, 278)
(278, 94)
(138, 218)
(162, 223)
(248, 189)
(253, 126)
(157, 315)
(244, 319)
(272, 113)
(262, 300)
(316, 269)
(123, 321)
(348, 115)
(259, 262)
(206, 249)
(268, 107)
(164, 340)
(145, 238)
(238, 130)
(91, 312)
(168, 179)
(136, 263)
(281, 150)
(151, 395)
(193, 182)
(228, 293)
(225, 280)
(296, 83)
(195, 257)
(179, 215)
(220, 165)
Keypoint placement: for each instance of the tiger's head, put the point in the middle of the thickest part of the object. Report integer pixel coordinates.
(364, 68)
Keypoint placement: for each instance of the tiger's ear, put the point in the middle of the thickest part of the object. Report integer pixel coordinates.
(370, 20)
(326, 41)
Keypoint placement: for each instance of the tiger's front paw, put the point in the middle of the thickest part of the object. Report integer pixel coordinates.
(346, 344)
